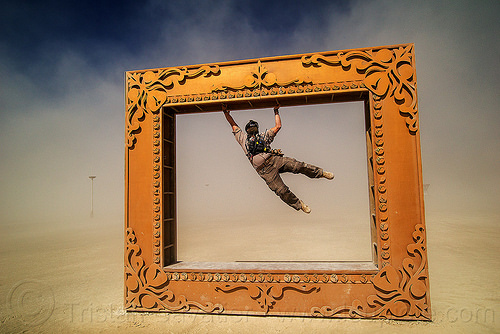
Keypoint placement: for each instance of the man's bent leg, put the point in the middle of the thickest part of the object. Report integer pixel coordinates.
(292, 165)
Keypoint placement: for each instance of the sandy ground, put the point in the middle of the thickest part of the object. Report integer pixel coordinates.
(300, 238)
(58, 278)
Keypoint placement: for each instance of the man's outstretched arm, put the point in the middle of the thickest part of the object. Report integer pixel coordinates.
(229, 118)
(277, 119)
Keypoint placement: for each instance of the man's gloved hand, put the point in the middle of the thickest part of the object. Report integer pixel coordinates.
(276, 107)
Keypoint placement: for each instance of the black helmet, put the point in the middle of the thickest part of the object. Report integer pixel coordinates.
(252, 127)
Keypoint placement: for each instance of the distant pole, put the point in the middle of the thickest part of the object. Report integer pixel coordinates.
(92, 177)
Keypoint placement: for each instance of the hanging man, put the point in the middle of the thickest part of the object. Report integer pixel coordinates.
(270, 163)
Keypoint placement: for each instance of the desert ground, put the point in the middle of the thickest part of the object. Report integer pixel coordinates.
(67, 276)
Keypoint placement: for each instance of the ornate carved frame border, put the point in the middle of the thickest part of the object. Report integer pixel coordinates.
(395, 287)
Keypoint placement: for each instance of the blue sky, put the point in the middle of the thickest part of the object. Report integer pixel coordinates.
(62, 70)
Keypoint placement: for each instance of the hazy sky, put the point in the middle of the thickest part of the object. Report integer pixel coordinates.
(62, 67)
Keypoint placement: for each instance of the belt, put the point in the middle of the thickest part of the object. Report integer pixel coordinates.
(264, 164)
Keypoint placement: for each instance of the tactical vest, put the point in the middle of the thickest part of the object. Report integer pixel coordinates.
(256, 145)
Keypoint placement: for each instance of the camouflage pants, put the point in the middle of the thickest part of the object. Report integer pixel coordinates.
(271, 169)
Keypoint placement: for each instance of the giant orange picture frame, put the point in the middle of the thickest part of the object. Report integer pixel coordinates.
(394, 285)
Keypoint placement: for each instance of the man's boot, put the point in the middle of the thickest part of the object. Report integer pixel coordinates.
(304, 207)
(328, 175)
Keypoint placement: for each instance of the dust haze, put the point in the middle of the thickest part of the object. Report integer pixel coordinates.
(62, 92)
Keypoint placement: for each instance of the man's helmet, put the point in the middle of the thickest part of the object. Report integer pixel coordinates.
(252, 127)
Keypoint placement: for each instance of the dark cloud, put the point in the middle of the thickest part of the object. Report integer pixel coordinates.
(35, 33)
(29, 26)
